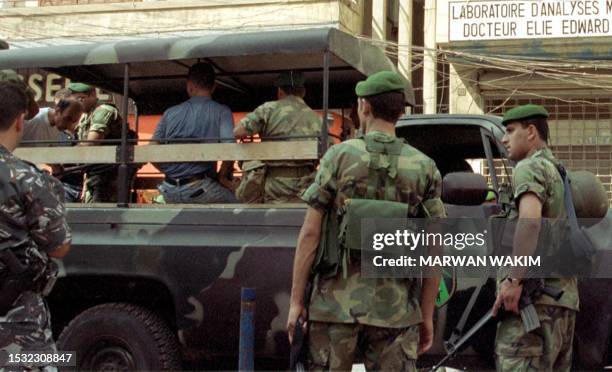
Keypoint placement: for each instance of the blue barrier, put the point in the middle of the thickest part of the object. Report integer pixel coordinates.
(246, 349)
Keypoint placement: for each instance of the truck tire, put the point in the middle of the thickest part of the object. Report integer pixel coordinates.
(120, 336)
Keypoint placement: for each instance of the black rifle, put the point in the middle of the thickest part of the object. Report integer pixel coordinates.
(532, 290)
(16, 278)
(14, 275)
(299, 347)
(297, 358)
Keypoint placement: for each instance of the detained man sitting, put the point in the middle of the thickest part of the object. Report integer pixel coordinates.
(55, 127)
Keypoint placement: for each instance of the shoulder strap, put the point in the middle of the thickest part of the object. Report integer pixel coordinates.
(568, 197)
(581, 245)
(378, 166)
(112, 108)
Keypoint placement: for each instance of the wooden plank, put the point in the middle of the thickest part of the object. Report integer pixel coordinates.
(68, 155)
(279, 150)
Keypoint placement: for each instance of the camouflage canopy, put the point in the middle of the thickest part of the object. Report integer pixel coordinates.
(246, 63)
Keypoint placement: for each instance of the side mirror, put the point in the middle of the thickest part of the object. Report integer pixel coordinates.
(464, 188)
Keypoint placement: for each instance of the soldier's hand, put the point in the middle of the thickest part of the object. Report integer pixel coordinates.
(295, 311)
(508, 296)
(56, 168)
(426, 335)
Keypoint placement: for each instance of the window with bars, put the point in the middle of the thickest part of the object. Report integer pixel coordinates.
(580, 131)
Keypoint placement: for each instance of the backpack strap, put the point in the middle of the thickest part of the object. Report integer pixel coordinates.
(384, 159)
(581, 246)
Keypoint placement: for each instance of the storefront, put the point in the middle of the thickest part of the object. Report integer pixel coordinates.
(551, 52)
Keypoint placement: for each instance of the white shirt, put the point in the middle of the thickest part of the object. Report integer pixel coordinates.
(40, 129)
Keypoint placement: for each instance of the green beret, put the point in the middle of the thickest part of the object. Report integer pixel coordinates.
(9, 75)
(293, 79)
(383, 82)
(80, 88)
(524, 112)
(491, 196)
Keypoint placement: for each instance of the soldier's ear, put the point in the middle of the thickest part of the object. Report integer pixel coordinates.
(365, 106)
(19, 123)
(532, 132)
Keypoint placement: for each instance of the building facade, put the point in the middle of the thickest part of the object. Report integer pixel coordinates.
(462, 56)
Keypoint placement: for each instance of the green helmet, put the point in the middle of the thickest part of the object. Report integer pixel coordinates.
(590, 199)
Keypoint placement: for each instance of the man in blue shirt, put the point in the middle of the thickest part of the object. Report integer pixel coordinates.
(198, 117)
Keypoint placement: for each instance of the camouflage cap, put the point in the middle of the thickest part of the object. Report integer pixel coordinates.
(291, 78)
(524, 112)
(80, 88)
(383, 82)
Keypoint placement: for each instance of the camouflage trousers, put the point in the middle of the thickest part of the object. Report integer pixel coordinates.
(278, 189)
(334, 346)
(26, 327)
(548, 348)
(101, 188)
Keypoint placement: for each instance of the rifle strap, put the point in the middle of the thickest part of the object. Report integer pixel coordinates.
(581, 245)
(568, 199)
(458, 330)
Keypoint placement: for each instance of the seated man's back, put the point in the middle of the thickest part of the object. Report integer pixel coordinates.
(199, 117)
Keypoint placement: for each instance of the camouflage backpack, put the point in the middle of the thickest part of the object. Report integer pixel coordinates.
(341, 230)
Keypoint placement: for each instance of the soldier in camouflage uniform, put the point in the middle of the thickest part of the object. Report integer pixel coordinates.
(389, 319)
(538, 193)
(32, 229)
(288, 116)
(98, 122)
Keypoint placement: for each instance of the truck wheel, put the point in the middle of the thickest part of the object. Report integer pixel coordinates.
(120, 336)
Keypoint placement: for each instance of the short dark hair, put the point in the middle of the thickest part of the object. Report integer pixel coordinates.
(294, 91)
(388, 106)
(202, 74)
(541, 125)
(63, 93)
(65, 103)
(13, 102)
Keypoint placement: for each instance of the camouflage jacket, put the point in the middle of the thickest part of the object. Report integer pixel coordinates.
(537, 174)
(32, 208)
(289, 116)
(343, 173)
(104, 119)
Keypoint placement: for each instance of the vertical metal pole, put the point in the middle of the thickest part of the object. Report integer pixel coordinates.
(246, 348)
(136, 118)
(324, 136)
(489, 154)
(123, 179)
(430, 73)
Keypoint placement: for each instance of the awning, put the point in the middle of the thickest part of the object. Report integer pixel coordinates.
(247, 64)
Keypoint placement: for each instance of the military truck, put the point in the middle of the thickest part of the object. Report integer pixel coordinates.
(151, 287)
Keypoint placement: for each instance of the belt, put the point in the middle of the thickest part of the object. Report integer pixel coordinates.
(289, 171)
(185, 180)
